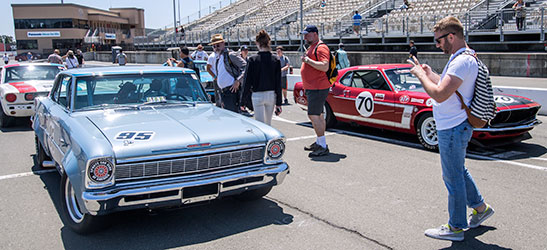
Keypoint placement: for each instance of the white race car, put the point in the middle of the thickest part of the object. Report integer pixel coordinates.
(20, 84)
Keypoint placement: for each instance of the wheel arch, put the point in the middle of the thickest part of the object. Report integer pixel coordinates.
(418, 116)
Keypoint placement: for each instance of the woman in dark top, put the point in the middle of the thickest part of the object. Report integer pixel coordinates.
(263, 80)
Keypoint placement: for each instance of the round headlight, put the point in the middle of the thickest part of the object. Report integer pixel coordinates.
(276, 149)
(100, 170)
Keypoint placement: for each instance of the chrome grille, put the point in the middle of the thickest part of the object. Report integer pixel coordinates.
(180, 166)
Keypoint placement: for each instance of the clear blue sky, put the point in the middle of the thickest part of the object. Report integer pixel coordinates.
(157, 13)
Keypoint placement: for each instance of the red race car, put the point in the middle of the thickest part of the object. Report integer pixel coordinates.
(388, 96)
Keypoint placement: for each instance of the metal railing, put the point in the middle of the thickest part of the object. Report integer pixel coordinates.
(495, 22)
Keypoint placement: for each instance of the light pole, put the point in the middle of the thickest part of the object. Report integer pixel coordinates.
(199, 11)
(174, 22)
(301, 27)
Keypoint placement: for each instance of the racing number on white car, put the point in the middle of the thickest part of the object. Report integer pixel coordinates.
(140, 136)
(364, 104)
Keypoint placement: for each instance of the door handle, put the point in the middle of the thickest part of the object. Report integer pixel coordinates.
(63, 142)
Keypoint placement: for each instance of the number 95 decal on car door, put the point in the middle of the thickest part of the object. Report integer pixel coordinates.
(135, 135)
(364, 104)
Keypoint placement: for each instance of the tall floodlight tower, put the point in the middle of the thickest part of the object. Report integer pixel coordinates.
(174, 22)
(301, 26)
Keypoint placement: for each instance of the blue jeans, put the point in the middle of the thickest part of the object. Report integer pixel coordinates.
(461, 187)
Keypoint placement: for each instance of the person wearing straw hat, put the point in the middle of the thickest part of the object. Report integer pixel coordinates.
(199, 54)
(229, 69)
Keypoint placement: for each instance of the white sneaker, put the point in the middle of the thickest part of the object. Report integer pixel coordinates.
(444, 233)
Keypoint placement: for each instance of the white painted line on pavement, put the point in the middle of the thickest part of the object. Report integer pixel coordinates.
(539, 158)
(39, 172)
(509, 162)
(277, 118)
(417, 145)
(307, 137)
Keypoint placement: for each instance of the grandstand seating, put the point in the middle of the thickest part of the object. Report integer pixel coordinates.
(241, 20)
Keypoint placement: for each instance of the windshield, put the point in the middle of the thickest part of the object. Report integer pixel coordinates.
(402, 80)
(202, 67)
(127, 90)
(31, 72)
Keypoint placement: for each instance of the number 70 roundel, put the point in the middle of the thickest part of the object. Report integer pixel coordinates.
(135, 135)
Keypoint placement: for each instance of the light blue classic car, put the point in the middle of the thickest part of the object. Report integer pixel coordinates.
(147, 137)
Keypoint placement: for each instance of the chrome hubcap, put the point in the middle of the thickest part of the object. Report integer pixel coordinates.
(72, 204)
(429, 131)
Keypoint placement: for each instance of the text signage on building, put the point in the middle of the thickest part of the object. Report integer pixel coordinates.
(44, 34)
(109, 36)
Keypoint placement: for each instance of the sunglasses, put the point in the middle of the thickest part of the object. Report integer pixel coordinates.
(216, 45)
(438, 39)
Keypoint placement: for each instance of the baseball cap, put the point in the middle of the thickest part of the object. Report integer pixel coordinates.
(243, 47)
(309, 28)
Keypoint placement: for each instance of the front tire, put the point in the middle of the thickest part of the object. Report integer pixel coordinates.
(426, 130)
(5, 120)
(41, 155)
(330, 119)
(254, 194)
(72, 215)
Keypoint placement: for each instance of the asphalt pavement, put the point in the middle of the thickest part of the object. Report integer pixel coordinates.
(376, 190)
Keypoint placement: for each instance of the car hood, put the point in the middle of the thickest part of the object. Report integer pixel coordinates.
(163, 130)
(506, 101)
(28, 86)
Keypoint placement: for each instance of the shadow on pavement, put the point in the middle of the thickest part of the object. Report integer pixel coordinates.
(471, 241)
(507, 152)
(18, 125)
(332, 157)
(164, 229)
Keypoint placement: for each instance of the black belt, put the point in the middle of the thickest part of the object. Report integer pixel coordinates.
(226, 88)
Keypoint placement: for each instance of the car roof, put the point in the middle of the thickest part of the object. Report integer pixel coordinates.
(32, 64)
(380, 66)
(120, 70)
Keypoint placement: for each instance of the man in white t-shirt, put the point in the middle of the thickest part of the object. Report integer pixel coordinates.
(199, 54)
(6, 58)
(453, 129)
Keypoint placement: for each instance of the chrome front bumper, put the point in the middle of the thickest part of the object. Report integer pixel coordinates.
(520, 127)
(170, 193)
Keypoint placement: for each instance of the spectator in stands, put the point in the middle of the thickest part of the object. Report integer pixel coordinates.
(453, 128)
(413, 50)
(71, 61)
(323, 3)
(357, 22)
(262, 80)
(199, 54)
(342, 60)
(520, 13)
(405, 5)
(314, 65)
(55, 57)
(229, 68)
(80, 56)
(121, 58)
(285, 65)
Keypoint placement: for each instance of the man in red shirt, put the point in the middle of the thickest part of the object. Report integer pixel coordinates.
(316, 84)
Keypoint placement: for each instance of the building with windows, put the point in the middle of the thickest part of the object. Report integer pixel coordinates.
(41, 28)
